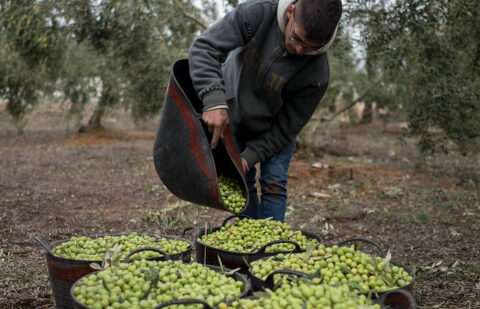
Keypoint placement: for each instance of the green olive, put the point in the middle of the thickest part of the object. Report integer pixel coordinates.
(94, 249)
(249, 235)
(232, 194)
(332, 265)
(154, 283)
(297, 294)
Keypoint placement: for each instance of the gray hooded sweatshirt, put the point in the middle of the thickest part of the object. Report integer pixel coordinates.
(271, 94)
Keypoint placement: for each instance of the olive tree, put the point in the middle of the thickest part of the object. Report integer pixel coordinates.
(31, 54)
(426, 55)
(134, 43)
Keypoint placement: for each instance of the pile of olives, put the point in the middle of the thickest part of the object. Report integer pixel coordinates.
(146, 284)
(94, 249)
(305, 295)
(248, 235)
(362, 272)
(231, 193)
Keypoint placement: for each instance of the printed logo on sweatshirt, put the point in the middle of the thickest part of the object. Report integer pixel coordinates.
(272, 81)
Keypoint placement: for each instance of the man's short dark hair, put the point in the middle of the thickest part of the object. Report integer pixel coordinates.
(319, 18)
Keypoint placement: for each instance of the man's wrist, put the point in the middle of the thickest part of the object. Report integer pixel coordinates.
(222, 106)
(250, 157)
(214, 98)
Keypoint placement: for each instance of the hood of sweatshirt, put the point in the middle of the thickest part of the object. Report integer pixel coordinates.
(282, 9)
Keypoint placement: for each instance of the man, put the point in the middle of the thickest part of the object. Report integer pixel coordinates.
(275, 75)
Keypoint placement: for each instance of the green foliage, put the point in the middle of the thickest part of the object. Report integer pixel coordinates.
(344, 77)
(135, 43)
(426, 54)
(79, 76)
(118, 51)
(160, 35)
(31, 53)
(421, 58)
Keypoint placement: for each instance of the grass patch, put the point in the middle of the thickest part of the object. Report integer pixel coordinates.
(442, 269)
(172, 217)
(468, 178)
(417, 217)
(393, 193)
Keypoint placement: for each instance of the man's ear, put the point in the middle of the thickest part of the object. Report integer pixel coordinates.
(290, 10)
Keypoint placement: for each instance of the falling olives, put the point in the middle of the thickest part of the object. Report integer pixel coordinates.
(231, 193)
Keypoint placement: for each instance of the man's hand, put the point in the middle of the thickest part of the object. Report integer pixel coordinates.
(216, 121)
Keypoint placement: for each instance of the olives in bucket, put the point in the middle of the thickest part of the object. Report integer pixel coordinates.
(339, 265)
(249, 235)
(94, 249)
(146, 284)
(309, 296)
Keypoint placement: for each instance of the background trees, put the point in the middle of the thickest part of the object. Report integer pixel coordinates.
(31, 53)
(134, 44)
(425, 52)
(417, 59)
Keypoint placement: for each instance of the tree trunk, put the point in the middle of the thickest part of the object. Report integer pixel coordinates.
(108, 99)
(17, 109)
(367, 114)
(95, 122)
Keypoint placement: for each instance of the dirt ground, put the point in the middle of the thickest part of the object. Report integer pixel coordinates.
(358, 181)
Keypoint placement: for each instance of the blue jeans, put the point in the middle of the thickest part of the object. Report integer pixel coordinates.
(273, 183)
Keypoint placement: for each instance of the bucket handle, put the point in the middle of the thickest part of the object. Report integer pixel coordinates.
(297, 249)
(311, 235)
(184, 301)
(166, 255)
(235, 216)
(269, 280)
(380, 251)
(44, 244)
(190, 228)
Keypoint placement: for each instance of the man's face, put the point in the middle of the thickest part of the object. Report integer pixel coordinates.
(296, 42)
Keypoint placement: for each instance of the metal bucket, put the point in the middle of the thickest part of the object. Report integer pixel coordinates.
(210, 255)
(64, 272)
(237, 276)
(182, 155)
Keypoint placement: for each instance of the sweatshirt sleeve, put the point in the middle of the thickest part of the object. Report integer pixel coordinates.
(211, 48)
(296, 112)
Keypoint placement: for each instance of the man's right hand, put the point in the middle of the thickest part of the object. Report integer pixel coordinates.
(216, 121)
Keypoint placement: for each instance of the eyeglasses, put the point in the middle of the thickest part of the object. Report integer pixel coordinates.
(297, 41)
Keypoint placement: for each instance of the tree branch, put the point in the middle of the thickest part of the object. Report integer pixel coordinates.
(354, 102)
(187, 15)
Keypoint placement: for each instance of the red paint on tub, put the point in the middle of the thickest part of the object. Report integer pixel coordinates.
(195, 147)
(227, 137)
